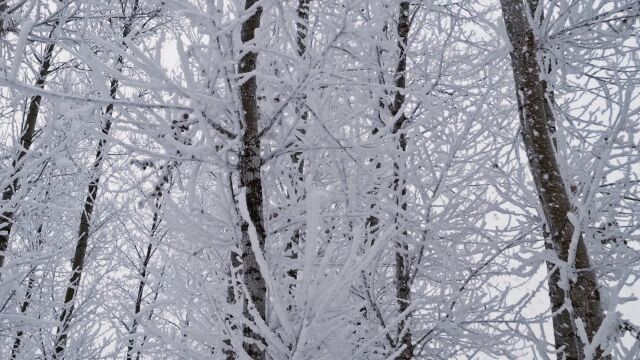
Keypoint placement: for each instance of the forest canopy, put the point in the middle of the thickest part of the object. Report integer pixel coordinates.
(319, 179)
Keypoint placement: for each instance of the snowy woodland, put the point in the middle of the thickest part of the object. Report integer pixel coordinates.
(320, 179)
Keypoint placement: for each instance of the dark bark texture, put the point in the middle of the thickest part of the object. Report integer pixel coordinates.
(297, 179)
(403, 263)
(250, 180)
(26, 139)
(158, 194)
(582, 296)
(4, 7)
(17, 341)
(79, 256)
(77, 266)
(143, 270)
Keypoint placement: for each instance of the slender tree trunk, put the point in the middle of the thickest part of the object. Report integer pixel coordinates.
(83, 237)
(138, 303)
(4, 7)
(143, 271)
(17, 341)
(302, 26)
(158, 193)
(85, 218)
(26, 139)
(371, 224)
(582, 293)
(157, 219)
(155, 298)
(403, 263)
(250, 179)
(292, 247)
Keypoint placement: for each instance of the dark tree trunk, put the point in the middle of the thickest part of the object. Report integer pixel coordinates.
(26, 139)
(17, 341)
(4, 7)
(302, 26)
(292, 247)
(250, 180)
(77, 265)
(83, 237)
(403, 263)
(548, 93)
(143, 271)
(535, 117)
(402, 260)
(158, 194)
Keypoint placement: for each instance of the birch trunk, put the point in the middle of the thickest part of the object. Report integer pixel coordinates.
(298, 163)
(145, 264)
(158, 194)
(17, 341)
(581, 300)
(26, 139)
(403, 264)
(4, 7)
(250, 179)
(83, 238)
(77, 265)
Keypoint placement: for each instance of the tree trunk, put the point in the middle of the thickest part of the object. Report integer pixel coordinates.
(29, 128)
(83, 237)
(250, 179)
(302, 26)
(548, 93)
(17, 341)
(85, 218)
(143, 271)
(298, 163)
(403, 263)
(583, 295)
(4, 7)
(157, 219)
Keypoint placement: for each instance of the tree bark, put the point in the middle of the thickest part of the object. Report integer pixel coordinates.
(26, 139)
(145, 264)
(83, 237)
(158, 194)
(403, 263)
(292, 246)
(582, 295)
(302, 26)
(77, 265)
(250, 179)
(4, 7)
(17, 341)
